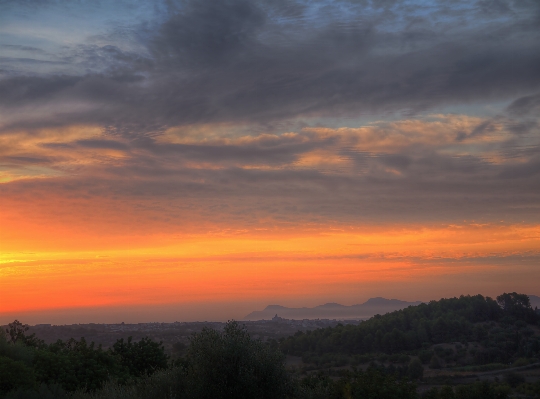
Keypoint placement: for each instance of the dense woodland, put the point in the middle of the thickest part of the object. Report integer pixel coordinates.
(501, 330)
(389, 356)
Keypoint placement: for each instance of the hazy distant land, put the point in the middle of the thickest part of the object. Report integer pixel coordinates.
(365, 310)
(336, 311)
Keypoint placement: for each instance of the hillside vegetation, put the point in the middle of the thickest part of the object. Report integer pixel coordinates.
(497, 331)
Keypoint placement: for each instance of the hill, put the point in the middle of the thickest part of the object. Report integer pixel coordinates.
(464, 331)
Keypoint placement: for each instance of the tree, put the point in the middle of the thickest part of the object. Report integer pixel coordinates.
(77, 365)
(17, 333)
(517, 305)
(15, 374)
(140, 358)
(230, 365)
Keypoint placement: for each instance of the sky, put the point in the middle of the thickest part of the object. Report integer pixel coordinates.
(198, 160)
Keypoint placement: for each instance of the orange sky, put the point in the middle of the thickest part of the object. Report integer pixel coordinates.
(232, 272)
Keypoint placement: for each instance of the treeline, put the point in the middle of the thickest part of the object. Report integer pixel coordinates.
(502, 327)
(26, 362)
(216, 365)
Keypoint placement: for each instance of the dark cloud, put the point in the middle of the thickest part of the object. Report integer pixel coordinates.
(527, 105)
(208, 34)
(102, 144)
(23, 90)
(239, 61)
(522, 171)
(21, 48)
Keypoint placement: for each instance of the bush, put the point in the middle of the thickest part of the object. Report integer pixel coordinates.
(42, 392)
(415, 370)
(434, 363)
(478, 390)
(514, 379)
(314, 386)
(374, 384)
(425, 356)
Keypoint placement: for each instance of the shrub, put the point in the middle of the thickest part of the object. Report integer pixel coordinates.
(434, 362)
(415, 369)
(514, 379)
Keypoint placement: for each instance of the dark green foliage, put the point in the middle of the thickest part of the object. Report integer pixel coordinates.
(517, 306)
(478, 390)
(163, 384)
(435, 363)
(408, 329)
(41, 392)
(230, 364)
(373, 384)
(76, 365)
(142, 357)
(26, 362)
(531, 390)
(502, 330)
(179, 348)
(17, 351)
(226, 364)
(425, 356)
(314, 386)
(369, 384)
(415, 370)
(15, 374)
(514, 379)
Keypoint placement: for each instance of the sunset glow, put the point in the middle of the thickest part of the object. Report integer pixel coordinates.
(316, 154)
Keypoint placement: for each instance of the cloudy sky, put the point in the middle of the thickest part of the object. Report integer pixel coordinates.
(196, 160)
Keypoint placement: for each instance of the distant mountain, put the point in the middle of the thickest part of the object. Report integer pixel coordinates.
(337, 311)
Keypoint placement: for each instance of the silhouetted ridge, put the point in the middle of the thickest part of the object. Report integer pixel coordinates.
(383, 301)
(332, 310)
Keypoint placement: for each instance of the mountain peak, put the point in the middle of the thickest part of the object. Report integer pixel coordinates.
(382, 301)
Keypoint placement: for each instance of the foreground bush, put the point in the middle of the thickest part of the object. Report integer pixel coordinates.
(229, 364)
